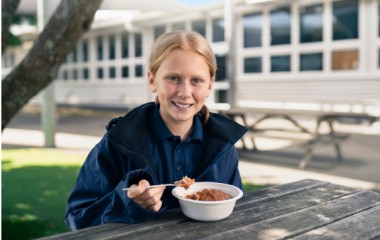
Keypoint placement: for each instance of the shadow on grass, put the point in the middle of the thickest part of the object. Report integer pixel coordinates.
(34, 200)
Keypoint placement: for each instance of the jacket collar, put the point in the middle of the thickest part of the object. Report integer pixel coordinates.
(161, 132)
(131, 136)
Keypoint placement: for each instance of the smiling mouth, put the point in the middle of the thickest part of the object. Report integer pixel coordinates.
(181, 105)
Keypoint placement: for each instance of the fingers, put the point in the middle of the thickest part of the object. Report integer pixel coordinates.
(136, 190)
(149, 198)
(156, 207)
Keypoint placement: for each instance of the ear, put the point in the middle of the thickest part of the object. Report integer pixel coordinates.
(211, 83)
(210, 86)
(152, 83)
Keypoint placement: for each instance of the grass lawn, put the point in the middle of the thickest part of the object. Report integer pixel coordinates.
(35, 186)
(36, 183)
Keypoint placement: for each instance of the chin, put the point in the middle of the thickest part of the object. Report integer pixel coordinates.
(183, 117)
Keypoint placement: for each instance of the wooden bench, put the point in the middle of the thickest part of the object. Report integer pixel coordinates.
(304, 136)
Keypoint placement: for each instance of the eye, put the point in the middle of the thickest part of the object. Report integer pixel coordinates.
(196, 81)
(173, 78)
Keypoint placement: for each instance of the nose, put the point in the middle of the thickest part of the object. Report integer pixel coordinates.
(184, 90)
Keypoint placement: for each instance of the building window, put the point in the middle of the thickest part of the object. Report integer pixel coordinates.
(311, 24)
(280, 63)
(85, 74)
(280, 22)
(221, 72)
(221, 96)
(12, 59)
(178, 26)
(252, 65)
(252, 25)
(159, 30)
(4, 62)
(111, 47)
(56, 77)
(65, 75)
(75, 74)
(138, 45)
(345, 19)
(311, 62)
(218, 30)
(345, 60)
(112, 72)
(85, 51)
(125, 71)
(75, 55)
(138, 71)
(99, 48)
(100, 73)
(199, 26)
(125, 45)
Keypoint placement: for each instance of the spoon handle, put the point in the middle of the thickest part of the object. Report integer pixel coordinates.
(153, 186)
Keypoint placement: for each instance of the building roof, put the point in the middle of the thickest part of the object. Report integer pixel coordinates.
(30, 6)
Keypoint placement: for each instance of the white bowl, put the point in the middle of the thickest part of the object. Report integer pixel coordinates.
(207, 210)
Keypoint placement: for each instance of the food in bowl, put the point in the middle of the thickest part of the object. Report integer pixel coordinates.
(209, 195)
(185, 182)
(207, 210)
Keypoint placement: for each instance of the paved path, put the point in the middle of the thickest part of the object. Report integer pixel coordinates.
(81, 129)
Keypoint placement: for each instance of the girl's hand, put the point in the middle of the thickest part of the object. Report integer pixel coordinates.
(149, 198)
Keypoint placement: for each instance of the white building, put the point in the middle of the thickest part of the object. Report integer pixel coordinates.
(307, 51)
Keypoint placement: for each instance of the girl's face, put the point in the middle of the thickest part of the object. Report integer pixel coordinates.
(182, 83)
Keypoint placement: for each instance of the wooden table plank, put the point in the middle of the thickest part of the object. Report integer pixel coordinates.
(360, 226)
(279, 190)
(298, 222)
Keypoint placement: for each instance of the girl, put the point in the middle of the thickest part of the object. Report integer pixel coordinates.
(159, 142)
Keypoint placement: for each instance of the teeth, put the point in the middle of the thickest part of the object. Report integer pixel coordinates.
(182, 105)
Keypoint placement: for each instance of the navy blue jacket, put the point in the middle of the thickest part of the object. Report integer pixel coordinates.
(123, 158)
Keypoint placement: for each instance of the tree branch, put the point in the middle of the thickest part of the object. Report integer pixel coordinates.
(66, 26)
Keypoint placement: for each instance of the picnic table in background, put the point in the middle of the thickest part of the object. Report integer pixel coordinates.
(308, 138)
(306, 209)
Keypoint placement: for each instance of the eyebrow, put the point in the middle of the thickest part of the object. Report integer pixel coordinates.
(192, 76)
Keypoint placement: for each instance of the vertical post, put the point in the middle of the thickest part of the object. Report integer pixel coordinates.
(48, 115)
(230, 38)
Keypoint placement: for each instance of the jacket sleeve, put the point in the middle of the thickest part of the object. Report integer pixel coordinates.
(98, 197)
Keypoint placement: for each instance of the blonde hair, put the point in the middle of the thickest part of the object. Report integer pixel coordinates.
(189, 41)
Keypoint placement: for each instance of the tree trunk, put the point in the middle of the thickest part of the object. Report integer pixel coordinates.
(59, 37)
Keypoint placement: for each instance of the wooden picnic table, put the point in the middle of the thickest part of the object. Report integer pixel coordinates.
(313, 136)
(306, 209)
